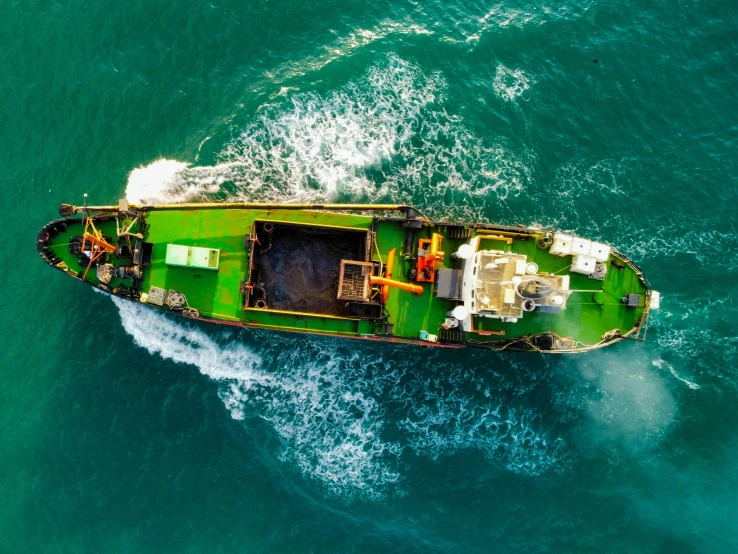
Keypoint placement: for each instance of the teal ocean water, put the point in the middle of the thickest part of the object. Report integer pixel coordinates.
(123, 431)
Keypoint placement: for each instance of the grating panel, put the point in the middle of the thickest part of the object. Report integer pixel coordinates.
(353, 283)
(156, 296)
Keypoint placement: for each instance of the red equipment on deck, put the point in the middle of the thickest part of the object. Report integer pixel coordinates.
(429, 254)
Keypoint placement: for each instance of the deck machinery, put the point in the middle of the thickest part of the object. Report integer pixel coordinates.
(376, 272)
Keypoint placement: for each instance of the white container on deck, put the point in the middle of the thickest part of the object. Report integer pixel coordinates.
(580, 247)
(600, 252)
(561, 244)
(193, 256)
(583, 264)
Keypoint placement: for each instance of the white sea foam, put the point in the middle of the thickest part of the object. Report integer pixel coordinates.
(327, 412)
(689, 335)
(331, 406)
(449, 425)
(187, 345)
(386, 135)
(455, 409)
(575, 196)
(510, 84)
(577, 180)
(327, 424)
(169, 181)
(345, 46)
(504, 15)
(153, 183)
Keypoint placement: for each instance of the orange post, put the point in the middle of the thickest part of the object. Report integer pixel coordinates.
(388, 273)
(417, 289)
(435, 249)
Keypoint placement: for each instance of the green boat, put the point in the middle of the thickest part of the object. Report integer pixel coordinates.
(372, 272)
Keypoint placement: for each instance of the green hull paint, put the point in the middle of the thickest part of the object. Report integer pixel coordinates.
(593, 311)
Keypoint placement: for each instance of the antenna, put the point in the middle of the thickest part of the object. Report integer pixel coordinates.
(85, 205)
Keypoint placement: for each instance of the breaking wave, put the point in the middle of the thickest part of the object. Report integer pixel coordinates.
(384, 136)
(160, 182)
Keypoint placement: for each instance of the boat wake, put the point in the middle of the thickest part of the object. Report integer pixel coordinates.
(344, 415)
(385, 136)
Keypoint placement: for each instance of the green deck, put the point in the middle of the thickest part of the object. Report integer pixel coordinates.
(584, 319)
(216, 293)
(409, 312)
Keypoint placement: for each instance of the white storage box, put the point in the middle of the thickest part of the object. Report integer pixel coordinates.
(561, 244)
(600, 252)
(580, 247)
(193, 256)
(583, 264)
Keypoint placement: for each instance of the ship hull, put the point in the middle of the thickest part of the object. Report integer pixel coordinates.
(284, 269)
